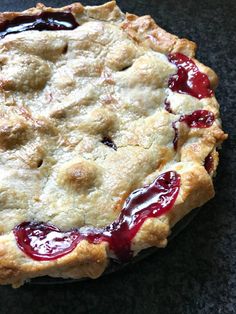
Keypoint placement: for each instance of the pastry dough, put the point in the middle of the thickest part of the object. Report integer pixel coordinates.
(62, 93)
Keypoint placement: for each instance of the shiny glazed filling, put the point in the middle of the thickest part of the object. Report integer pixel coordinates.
(53, 21)
(42, 241)
(188, 79)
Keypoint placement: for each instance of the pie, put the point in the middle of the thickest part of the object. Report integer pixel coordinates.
(109, 130)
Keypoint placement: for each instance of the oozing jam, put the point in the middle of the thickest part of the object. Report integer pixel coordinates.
(209, 163)
(44, 21)
(197, 119)
(188, 79)
(107, 141)
(43, 241)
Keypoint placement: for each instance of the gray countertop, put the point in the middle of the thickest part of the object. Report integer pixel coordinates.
(196, 273)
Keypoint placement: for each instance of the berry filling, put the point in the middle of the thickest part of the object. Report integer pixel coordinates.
(53, 21)
(188, 79)
(43, 241)
(107, 141)
(197, 119)
(209, 163)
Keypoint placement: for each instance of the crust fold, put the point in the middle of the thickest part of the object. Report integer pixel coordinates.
(146, 32)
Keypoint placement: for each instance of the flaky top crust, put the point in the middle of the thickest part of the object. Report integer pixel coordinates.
(107, 77)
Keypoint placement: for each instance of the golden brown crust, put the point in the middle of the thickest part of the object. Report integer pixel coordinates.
(107, 12)
(146, 32)
(48, 154)
(85, 261)
(75, 8)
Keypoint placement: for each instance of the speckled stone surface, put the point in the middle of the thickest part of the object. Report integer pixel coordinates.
(196, 273)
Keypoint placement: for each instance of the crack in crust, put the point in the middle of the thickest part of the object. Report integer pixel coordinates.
(47, 145)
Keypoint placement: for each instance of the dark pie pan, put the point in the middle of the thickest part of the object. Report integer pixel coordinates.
(115, 266)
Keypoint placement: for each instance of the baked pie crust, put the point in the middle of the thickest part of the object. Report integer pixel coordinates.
(88, 116)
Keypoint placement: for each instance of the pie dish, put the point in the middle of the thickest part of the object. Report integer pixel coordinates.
(109, 130)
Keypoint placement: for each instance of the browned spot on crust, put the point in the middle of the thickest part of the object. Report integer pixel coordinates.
(79, 175)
